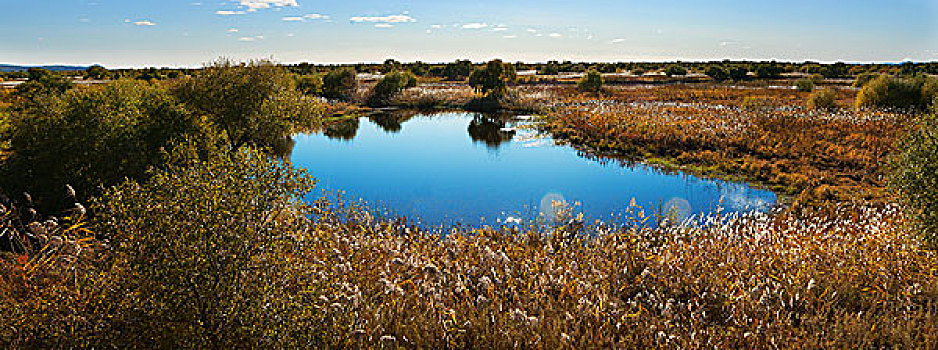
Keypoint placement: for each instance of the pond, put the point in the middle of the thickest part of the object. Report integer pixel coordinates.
(477, 169)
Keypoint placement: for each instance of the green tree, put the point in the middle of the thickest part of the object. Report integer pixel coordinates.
(738, 73)
(252, 103)
(591, 82)
(389, 86)
(309, 84)
(340, 84)
(717, 73)
(97, 136)
(675, 70)
(494, 78)
(806, 85)
(97, 72)
(892, 92)
(825, 99)
(457, 70)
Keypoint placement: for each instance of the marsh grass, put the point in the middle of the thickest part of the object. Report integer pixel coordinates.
(763, 136)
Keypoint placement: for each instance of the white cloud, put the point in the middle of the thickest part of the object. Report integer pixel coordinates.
(589, 37)
(144, 23)
(228, 13)
(436, 26)
(402, 18)
(510, 37)
(254, 5)
(315, 16)
(555, 35)
(251, 38)
(293, 19)
(290, 35)
(727, 43)
(531, 30)
(475, 25)
(499, 29)
(616, 41)
(233, 30)
(196, 4)
(384, 25)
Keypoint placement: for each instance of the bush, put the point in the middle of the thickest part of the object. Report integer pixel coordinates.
(823, 99)
(891, 92)
(738, 73)
(252, 103)
(389, 86)
(309, 84)
(96, 136)
(591, 82)
(718, 73)
(675, 70)
(210, 253)
(915, 175)
(493, 78)
(805, 85)
(340, 84)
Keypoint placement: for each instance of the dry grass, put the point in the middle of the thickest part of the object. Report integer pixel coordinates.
(840, 277)
(761, 135)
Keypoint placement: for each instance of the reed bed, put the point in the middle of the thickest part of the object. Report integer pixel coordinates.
(765, 136)
(843, 276)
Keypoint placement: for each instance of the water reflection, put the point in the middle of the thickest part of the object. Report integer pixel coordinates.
(491, 130)
(392, 122)
(345, 129)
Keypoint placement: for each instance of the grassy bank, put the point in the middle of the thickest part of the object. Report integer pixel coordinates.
(765, 136)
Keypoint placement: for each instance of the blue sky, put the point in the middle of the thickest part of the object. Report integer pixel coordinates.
(122, 33)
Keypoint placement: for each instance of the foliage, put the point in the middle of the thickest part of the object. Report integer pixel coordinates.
(494, 78)
(97, 72)
(864, 79)
(892, 92)
(457, 70)
(717, 73)
(591, 82)
(675, 70)
(823, 99)
(340, 84)
(804, 85)
(738, 73)
(309, 84)
(915, 176)
(97, 136)
(252, 103)
(41, 83)
(767, 70)
(210, 251)
(389, 86)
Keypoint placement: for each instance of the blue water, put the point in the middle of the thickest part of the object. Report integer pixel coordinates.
(470, 169)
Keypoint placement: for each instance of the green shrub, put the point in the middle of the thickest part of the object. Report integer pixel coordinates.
(591, 82)
(210, 253)
(864, 79)
(915, 176)
(493, 78)
(888, 91)
(309, 84)
(805, 85)
(96, 136)
(718, 73)
(675, 70)
(389, 86)
(738, 73)
(823, 99)
(340, 84)
(252, 103)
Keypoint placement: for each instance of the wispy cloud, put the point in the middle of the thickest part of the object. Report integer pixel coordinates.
(144, 23)
(475, 25)
(228, 13)
(510, 37)
(293, 19)
(254, 5)
(251, 38)
(616, 41)
(233, 30)
(499, 29)
(402, 18)
(555, 35)
(384, 25)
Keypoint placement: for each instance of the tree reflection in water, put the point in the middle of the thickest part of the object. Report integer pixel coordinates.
(342, 130)
(490, 129)
(391, 122)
